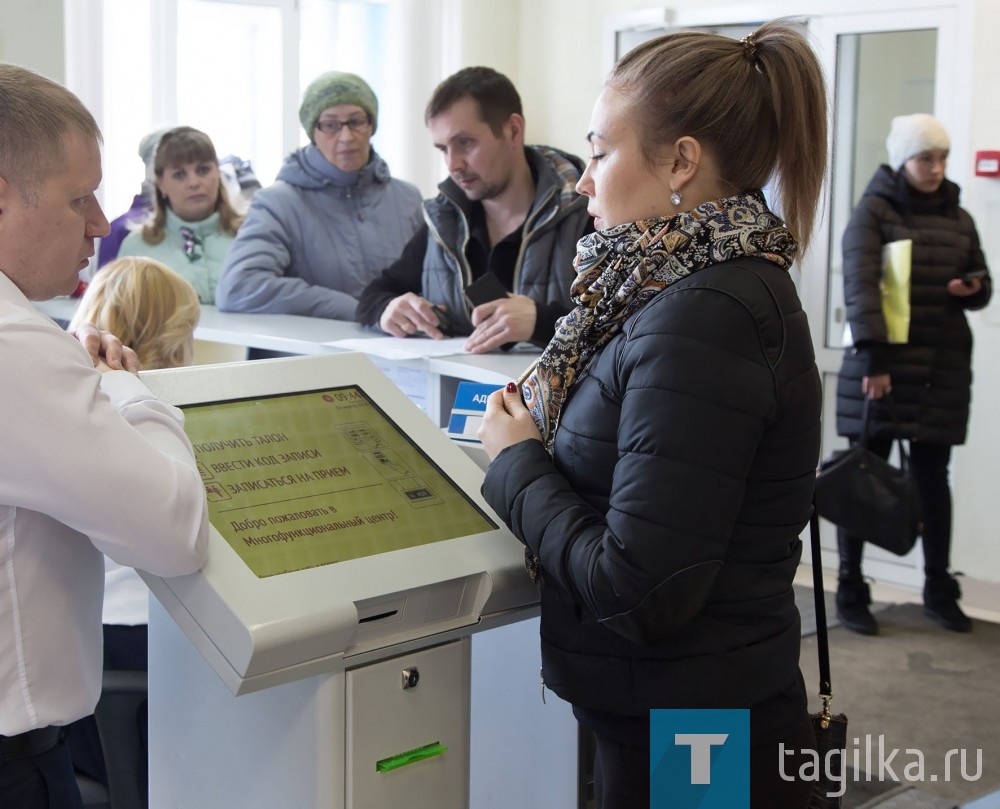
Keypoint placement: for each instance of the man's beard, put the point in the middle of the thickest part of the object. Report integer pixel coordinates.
(486, 191)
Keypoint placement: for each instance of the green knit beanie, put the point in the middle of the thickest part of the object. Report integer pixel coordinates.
(335, 88)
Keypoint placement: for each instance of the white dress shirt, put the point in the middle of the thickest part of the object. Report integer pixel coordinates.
(126, 596)
(89, 463)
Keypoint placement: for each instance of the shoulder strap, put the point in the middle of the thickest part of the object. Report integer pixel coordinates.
(822, 640)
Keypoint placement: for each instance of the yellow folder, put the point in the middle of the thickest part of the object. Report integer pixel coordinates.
(895, 286)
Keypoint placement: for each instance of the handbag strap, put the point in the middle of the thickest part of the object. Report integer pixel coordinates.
(866, 416)
(822, 639)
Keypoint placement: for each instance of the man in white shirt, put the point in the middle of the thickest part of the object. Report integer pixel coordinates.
(90, 461)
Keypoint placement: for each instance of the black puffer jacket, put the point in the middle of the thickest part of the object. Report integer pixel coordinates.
(667, 520)
(932, 373)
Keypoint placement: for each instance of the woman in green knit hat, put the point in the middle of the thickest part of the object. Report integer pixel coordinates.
(332, 221)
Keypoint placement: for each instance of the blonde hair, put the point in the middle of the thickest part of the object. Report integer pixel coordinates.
(177, 147)
(759, 105)
(146, 305)
(36, 114)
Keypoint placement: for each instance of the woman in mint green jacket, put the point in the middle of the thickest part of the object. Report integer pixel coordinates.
(193, 224)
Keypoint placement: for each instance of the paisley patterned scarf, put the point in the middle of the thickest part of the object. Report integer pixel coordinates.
(620, 270)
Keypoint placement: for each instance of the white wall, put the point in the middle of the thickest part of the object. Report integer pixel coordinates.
(974, 476)
(31, 35)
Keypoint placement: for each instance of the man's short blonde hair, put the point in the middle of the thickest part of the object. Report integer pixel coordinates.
(35, 116)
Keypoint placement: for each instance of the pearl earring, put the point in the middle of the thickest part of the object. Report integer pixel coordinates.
(675, 198)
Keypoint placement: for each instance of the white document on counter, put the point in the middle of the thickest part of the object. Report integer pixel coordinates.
(400, 348)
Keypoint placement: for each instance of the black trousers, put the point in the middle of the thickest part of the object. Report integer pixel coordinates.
(125, 649)
(42, 780)
(929, 465)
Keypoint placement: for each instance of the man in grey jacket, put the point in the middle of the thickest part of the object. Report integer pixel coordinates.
(331, 222)
(495, 257)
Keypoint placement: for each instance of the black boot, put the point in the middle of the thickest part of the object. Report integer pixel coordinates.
(853, 598)
(853, 595)
(941, 594)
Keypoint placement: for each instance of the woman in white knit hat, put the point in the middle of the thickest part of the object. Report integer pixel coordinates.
(928, 378)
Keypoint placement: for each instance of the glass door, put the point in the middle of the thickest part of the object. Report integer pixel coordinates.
(876, 68)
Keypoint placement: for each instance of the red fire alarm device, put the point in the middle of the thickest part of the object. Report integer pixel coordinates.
(988, 164)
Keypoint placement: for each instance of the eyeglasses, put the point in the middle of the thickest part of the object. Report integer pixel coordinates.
(331, 126)
(191, 245)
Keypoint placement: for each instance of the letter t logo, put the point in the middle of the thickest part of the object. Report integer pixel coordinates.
(699, 758)
(701, 745)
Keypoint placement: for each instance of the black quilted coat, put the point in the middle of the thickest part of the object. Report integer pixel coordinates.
(932, 373)
(667, 519)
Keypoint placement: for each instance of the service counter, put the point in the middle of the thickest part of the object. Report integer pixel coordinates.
(295, 334)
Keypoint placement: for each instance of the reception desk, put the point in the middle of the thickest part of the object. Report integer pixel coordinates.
(296, 334)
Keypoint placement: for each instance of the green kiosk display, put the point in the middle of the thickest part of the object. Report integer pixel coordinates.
(321, 658)
(338, 481)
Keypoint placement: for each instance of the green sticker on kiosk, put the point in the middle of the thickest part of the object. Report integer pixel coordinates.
(409, 757)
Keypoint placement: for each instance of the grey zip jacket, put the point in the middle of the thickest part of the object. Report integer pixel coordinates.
(544, 269)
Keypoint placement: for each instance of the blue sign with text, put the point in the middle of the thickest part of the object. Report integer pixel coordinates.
(699, 759)
(467, 412)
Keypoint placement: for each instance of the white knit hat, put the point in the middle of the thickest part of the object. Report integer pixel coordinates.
(912, 134)
(147, 151)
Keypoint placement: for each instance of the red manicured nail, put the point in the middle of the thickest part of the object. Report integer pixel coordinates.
(511, 387)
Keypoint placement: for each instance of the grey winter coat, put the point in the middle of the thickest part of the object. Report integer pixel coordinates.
(312, 241)
(932, 373)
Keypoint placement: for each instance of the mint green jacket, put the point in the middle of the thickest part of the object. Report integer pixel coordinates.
(202, 266)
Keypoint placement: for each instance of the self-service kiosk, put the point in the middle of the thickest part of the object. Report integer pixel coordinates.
(321, 658)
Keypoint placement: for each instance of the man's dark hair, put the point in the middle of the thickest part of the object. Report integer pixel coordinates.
(493, 93)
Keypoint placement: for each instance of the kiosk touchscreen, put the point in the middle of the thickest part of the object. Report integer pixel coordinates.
(337, 482)
(342, 520)
(326, 639)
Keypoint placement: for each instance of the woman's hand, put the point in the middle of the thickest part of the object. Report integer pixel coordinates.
(963, 289)
(506, 421)
(875, 387)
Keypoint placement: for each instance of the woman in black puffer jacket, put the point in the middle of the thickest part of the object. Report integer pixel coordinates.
(929, 377)
(662, 463)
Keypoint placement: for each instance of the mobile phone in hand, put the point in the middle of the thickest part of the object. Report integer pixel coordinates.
(967, 277)
(484, 289)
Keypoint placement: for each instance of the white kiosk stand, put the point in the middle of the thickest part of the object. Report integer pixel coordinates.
(321, 658)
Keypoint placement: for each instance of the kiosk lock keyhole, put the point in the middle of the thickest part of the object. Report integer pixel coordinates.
(410, 678)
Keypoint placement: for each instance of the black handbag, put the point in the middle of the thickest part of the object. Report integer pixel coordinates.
(867, 496)
(830, 729)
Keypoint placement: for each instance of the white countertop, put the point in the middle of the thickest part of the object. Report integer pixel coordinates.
(297, 334)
